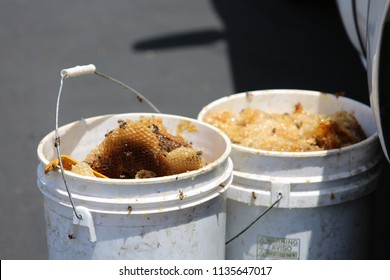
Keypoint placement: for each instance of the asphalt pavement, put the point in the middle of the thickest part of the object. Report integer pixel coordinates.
(180, 54)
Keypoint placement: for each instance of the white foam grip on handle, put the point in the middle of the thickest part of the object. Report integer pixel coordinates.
(78, 71)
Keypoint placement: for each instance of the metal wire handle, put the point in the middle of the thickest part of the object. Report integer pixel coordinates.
(76, 72)
(258, 218)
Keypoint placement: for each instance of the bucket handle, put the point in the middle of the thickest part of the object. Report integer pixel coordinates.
(76, 72)
(279, 197)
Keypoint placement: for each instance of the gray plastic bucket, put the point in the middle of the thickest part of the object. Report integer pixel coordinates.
(325, 209)
(173, 217)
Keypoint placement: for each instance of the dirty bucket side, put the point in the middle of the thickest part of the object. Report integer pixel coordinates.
(329, 221)
(177, 234)
(173, 217)
(325, 210)
(339, 231)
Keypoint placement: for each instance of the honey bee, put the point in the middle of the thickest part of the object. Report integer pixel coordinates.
(108, 133)
(71, 236)
(249, 96)
(122, 124)
(341, 93)
(155, 129)
(254, 195)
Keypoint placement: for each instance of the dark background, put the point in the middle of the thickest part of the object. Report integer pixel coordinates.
(181, 54)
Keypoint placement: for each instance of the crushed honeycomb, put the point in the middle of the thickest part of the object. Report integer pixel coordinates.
(299, 131)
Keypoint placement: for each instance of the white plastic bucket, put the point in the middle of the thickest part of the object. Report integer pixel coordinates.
(173, 217)
(325, 210)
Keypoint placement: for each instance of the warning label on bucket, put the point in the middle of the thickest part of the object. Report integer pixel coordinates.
(277, 248)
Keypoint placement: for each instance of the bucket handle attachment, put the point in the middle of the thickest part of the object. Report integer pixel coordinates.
(86, 221)
(279, 197)
(76, 72)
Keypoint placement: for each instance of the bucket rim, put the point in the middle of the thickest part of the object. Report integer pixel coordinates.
(250, 93)
(144, 181)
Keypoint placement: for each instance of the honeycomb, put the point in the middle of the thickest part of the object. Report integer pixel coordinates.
(82, 168)
(141, 149)
(298, 131)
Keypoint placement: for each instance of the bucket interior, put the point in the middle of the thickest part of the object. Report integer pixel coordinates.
(284, 101)
(80, 137)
